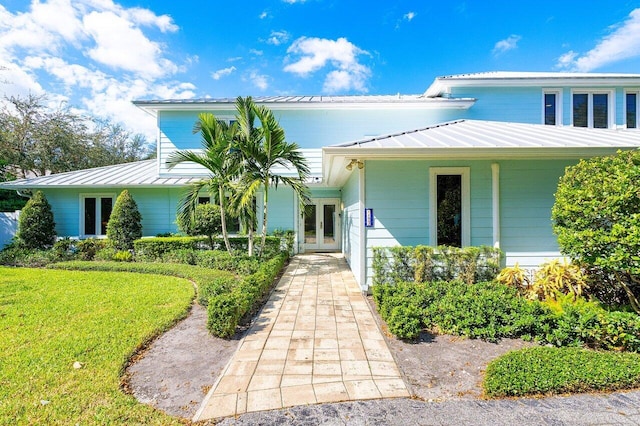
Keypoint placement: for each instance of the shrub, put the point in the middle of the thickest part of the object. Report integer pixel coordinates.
(544, 370)
(87, 249)
(555, 278)
(596, 217)
(424, 264)
(154, 249)
(206, 220)
(36, 228)
(405, 322)
(124, 226)
(226, 309)
(516, 277)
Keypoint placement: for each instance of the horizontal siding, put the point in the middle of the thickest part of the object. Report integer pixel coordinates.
(352, 225)
(521, 105)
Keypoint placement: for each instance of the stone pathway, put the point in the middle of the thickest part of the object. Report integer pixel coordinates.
(315, 341)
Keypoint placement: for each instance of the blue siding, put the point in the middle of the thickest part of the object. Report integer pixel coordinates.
(522, 105)
(352, 225)
(281, 209)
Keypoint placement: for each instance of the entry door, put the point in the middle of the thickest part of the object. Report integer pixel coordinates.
(321, 225)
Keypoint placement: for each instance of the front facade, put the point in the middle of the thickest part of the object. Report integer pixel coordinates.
(475, 160)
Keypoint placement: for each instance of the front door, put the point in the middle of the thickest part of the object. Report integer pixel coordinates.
(320, 223)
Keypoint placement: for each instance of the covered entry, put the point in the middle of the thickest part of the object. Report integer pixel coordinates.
(320, 225)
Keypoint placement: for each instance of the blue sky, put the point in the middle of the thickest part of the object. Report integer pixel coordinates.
(98, 55)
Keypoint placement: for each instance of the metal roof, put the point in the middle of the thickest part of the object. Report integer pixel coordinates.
(441, 85)
(478, 134)
(139, 173)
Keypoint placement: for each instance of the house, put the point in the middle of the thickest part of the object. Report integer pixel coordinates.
(474, 160)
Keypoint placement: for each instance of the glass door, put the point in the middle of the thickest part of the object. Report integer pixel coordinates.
(321, 225)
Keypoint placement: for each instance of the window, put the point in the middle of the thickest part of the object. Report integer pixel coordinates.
(592, 109)
(449, 206)
(96, 210)
(631, 109)
(551, 108)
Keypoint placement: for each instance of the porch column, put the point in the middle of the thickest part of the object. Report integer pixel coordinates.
(495, 203)
(363, 230)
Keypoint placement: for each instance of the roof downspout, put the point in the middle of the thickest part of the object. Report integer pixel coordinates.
(495, 203)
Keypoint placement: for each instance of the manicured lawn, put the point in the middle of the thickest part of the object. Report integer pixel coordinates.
(50, 319)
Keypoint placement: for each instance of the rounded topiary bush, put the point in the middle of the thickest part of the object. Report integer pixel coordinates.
(36, 228)
(124, 226)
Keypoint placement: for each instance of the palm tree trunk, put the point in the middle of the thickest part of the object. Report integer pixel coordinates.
(223, 219)
(250, 240)
(264, 217)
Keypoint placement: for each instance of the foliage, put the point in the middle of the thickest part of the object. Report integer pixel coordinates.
(156, 249)
(206, 220)
(597, 217)
(35, 140)
(555, 278)
(545, 370)
(515, 276)
(287, 239)
(124, 226)
(489, 311)
(51, 319)
(87, 249)
(226, 309)
(36, 228)
(424, 264)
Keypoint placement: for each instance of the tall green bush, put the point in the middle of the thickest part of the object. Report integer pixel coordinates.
(596, 217)
(36, 228)
(206, 220)
(124, 226)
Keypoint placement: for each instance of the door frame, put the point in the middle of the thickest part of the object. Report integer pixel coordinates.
(318, 247)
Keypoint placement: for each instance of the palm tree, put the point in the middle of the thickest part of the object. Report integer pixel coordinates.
(263, 149)
(219, 158)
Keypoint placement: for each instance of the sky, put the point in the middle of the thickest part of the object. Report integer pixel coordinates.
(96, 56)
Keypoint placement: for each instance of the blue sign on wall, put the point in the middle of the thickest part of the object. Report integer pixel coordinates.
(368, 218)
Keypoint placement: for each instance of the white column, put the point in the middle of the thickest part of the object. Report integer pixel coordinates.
(363, 239)
(495, 203)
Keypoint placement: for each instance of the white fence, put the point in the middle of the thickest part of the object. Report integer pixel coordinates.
(8, 227)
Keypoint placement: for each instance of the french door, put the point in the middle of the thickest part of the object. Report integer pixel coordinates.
(321, 225)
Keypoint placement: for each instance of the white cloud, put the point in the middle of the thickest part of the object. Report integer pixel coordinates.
(263, 15)
(217, 75)
(622, 43)
(294, 1)
(507, 44)
(409, 16)
(94, 54)
(278, 37)
(261, 81)
(316, 53)
(256, 52)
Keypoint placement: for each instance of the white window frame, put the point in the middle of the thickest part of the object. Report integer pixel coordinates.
(465, 173)
(97, 196)
(558, 94)
(611, 104)
(624, 107)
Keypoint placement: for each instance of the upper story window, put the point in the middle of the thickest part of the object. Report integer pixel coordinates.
(631, 109)
(592, 109)
(552, 108)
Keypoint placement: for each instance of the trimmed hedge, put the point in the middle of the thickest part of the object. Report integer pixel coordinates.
(226, 308)
(427, 264)
(489, 311)
(154, 249)
(546, 370)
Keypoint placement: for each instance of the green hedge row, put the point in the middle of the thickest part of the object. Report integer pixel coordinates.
(429, 264)
(547, 370)
(487, 310)
(154, 249)
(492, 311)
(228, 304)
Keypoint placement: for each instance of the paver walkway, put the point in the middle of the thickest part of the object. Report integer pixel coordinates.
(315, 341)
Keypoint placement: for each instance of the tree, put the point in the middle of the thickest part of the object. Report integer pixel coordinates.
(36, 140)
(207, 221)
(124, 226)
(596, 217)
(263, 149)
(220, 161)
(36, 228)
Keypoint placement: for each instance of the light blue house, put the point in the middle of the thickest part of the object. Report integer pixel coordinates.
(475, 160)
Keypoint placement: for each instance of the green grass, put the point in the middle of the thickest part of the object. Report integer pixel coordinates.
(50, 318)
(547, 370)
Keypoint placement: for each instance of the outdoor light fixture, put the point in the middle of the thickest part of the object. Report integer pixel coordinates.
(355, 162)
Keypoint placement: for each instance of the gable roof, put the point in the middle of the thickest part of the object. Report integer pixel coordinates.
(475, 139)
(442, 85)
(139, 173)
